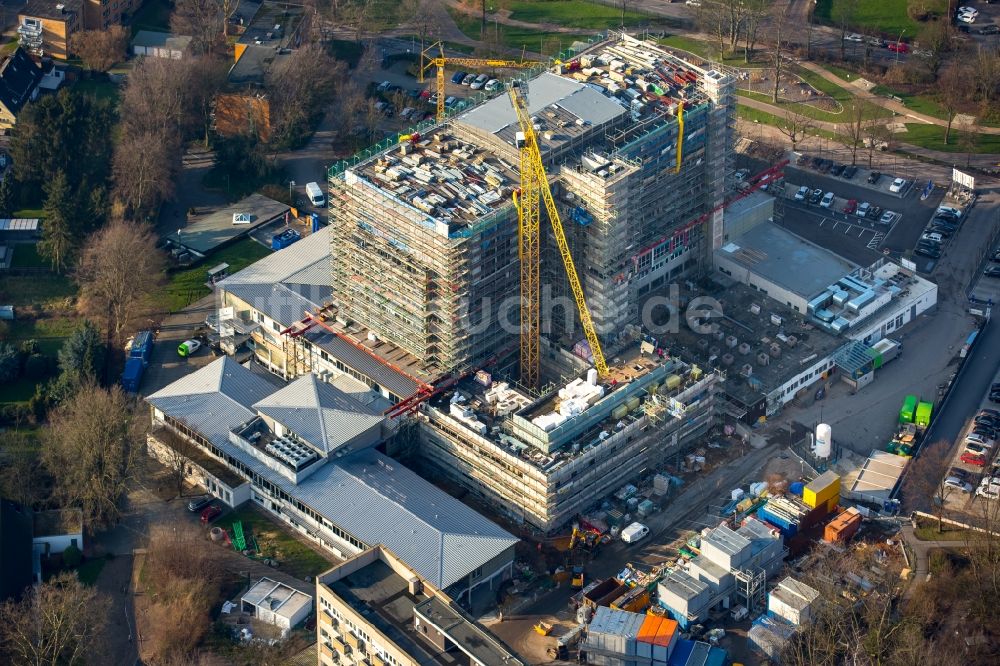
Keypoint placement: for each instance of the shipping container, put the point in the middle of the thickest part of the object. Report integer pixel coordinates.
(908, 410)
(843, 527)
(142, 346)
(646, 636)
(820, 490)
(284, 239)
(788, 527)
(132, 375)
(666, 638)
(682, 652)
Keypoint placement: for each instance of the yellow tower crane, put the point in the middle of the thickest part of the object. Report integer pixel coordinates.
(428, 59)
(535, 189)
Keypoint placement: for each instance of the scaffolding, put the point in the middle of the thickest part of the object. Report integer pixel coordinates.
(751, 584)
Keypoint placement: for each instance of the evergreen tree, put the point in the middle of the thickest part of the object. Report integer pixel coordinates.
(82, 355)
(8, 195)
(58, 232)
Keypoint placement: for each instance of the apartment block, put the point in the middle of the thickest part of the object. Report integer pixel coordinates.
(44, 27)
(374, 609)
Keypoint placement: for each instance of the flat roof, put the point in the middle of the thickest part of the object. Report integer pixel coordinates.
(726, 540)
(47, 9)
(787, 260)
(204, 233)
(151, 38)
(470, 638)
(879, 475)
(277, 597)
(19, 224)
(683, 584)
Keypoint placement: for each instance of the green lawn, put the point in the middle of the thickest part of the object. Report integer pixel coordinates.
(887, 17)
(26, 256)
(845, 74)
(932, 137)
(765, 118)
(99, 88)
(928, 531)
(276, 541)
(90, 570)
(708, 51)
(546, 42)
(8, 47)
(188, 285)
(573, 14)
(152, 15)
(19, 390)
(29, 213)
(925, 104)
(45, 289)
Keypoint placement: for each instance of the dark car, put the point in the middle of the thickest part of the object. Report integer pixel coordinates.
(944, 221)
(825, 165)
(990, 30)
(995, 413)
(874, 177)
(959, 473)
(992, 271)
(802, 161)
(986, 420)
(849, 172)
(928, 252)
(815, 162)
(837, 169)
(199, 503)
(874, 213)
(458, 77)
(815, 196)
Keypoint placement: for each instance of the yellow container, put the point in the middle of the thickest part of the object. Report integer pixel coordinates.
(822, 490)
(633, 404)
(673, 381)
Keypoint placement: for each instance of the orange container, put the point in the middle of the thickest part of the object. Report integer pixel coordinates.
(666, 633)
(649, 628)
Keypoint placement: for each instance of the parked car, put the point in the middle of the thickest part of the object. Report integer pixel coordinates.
(458, 77)
(928, 252)
(968, 18)
(837, 169)
(874, 213)
(863, 209)
(849, 172)
(995, 413)
(199, 503)
(957, 212)
(976, 449)
(874, 177)
(992, 29)
(815, 162)
(801, 193)
(952, 482)
(877, 41)
(992, 272)
(851, 206)
(480, 82)
(210, 513)
(988, 492)
(897, 185)
(492, 85)
(854, 37)
(825, 165)
(944, 219)
(959, 473)
(973, 459)
(468, 80)
(978, 439)
(815, 196)
(932, 237)
(802, 160)
(899, 47)
(827, 200)
(887, 217)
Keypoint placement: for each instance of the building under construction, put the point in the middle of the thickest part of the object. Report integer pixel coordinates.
(636, 142)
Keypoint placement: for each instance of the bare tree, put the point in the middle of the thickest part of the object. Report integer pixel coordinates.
(158, 97)
(208, 76)
(92, 450)
(795, 127)
(144, 164)
(935, 39)
(100, 49)
(986, 76)
(119, 272)
(299, 85)
(624, 4)
(968, 139)
(754, 12)
(844, 12)
(876, 136)
(951, 93)
(21, 479)
(856, 125)
(203, 20)
(778, 16)
(56, 623)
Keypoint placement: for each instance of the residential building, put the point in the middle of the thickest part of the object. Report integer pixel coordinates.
(160, 45)
(304, 451)
(637, 141)
(102, 14)
(53, 532)
(276, 603)
(19, 79)
(45, 26)
(376, 608)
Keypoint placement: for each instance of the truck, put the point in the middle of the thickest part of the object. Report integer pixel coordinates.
(315, 194)
(132, 375)
(137, 358)
(142, 346)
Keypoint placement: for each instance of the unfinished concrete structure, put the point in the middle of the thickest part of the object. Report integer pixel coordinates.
(638, 143)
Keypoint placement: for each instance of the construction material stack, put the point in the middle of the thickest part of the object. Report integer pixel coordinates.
(785, 513)
(611, 637)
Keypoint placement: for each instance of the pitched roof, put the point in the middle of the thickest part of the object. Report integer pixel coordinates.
(19, 76)
(319, 413)
(380, 501)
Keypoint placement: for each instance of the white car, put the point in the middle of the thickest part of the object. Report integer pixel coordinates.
(967, 10)
(693, 3)
(991, 492)
(827, 200)
(863, 209)
(948, 209)
(802, 193)
(980, 440)
(933, 237)
(480, 81)
(492, 85)
(854, 37)
(955, 482)
(887, 217)
(897, 185)
(967, 18)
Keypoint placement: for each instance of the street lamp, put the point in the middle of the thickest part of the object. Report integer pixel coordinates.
(899, 44)
(291, 184)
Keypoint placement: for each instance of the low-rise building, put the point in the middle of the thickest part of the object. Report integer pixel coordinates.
(276, 603)
(160, 45)
(792, 601)
(19, 79)
(53, 532)
(376, 609)
(304, 452)
(45, 26)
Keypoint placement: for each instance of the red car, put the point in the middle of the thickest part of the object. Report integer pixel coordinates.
(973, 459)
(901, 47)
(210, 514)
(851, 206)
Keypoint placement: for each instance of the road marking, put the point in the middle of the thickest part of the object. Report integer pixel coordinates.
(861, 233)
(876, 240)
(822, 222)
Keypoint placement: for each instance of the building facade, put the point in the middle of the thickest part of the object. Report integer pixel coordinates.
(45, 27)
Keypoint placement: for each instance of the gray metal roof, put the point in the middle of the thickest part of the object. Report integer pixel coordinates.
(367, 494)
(152, 38)
(546, 89)
(684, 585)
(319, 413)
(726, 540)
(364, 363)
(291, 261)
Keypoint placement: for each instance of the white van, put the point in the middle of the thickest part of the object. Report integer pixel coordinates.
(315, 194)
(634, 532)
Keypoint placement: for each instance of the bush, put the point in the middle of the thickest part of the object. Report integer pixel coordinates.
(36, 366)
(72, 557)
(10, 363)
(15, 413)
(29, 347)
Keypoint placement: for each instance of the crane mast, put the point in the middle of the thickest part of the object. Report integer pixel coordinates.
(535, 190)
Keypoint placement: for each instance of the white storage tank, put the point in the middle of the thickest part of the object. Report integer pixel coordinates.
(592, 376)
(824, 440)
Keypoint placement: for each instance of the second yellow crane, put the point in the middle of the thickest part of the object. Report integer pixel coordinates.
(534, 190)
(428, 59)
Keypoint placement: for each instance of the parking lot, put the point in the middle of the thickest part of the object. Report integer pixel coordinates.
(891, 223)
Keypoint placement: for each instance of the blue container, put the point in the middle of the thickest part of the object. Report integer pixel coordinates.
(787, 528)
(796, 488)
(682, 650)
(315, 221)
(132, 375)
(142, 346)
(284, 239)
